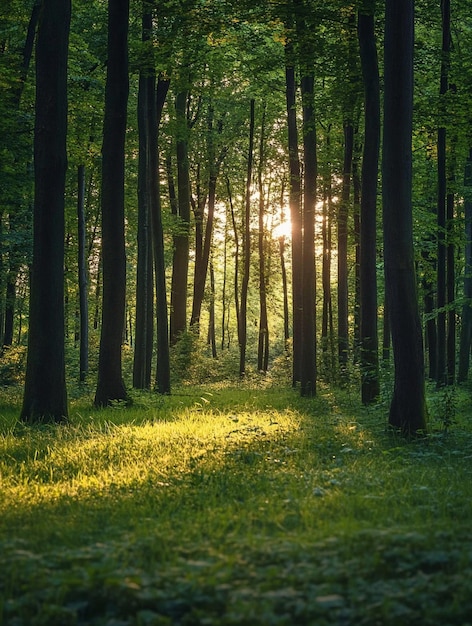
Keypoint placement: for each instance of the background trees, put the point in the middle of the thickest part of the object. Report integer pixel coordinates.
(195, 68)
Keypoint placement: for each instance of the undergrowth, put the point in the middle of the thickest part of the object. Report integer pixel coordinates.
(241, 506)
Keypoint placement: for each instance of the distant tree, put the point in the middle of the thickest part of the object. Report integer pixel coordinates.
(110, 386)
(45, 394)
(466, 326)
(83, 275)
(408, 411)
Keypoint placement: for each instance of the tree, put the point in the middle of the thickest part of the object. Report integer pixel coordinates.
(242, 334)
(408, 411)
(83, 278)
(45, 394)
(110, 386)
(368, 208)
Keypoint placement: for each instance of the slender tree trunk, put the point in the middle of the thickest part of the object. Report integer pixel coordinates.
(83, 276)
(144, 273)
(178, 315)
(263, 343)
(201, 265)
(236, 256)
(211, 321)
(370, 385)
(441, 205)
(246, 248)
(408, 407)
(356, 213)
(295, 211)
(45, 394)
(309, 373)
(110, 386)
(466, 326)
(343, 213)
(451, 273)
(163, 383)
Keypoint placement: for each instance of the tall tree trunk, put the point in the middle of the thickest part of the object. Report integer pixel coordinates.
(442, 192)
(45, 394)
(201, 266)
(83, 276)
(343, 213)
(236, 256)
(211, 321)
(144, 332)
(163, 384)
(110, 386)
(246, 248)
(309, 373)
(451, 273)
(178, 314)
(263, 342)
(408, 407)
(356, 214)
(466, 326)
(370, 385)
(295, 211)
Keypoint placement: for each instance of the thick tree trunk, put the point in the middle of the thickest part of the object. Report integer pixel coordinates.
(370, 385)
(178, 314)
(246, 247)
(45, 395)
(83, 276)
(110, 386)
(295, 211)
(408, 407)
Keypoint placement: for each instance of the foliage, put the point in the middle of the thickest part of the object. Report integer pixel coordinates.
(234, 506)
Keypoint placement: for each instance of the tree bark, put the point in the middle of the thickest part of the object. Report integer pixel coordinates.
(408, 411)
(45, 394)
(110, 386)
(370, 385)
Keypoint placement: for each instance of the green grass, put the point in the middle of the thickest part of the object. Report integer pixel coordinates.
(235, 506)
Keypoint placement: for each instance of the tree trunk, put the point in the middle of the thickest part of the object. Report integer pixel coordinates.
(246, 249)
(144, 327)
(83, 276)
(442, 191)
(163, 384)
(236, 257)
(45, 394)
(211, 321)
(451, 274)
(370, 385)
(110, 386)
(295, 211)
(343, 213)
(466, 327)
(178, 314)
(308, 373)
(263, 342)
(408, 407)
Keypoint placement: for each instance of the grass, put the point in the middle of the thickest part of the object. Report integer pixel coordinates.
(235, 506)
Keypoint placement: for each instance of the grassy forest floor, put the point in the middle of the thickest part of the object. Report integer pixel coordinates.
(242, 506)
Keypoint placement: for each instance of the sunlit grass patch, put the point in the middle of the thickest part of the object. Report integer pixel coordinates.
(242, 506)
